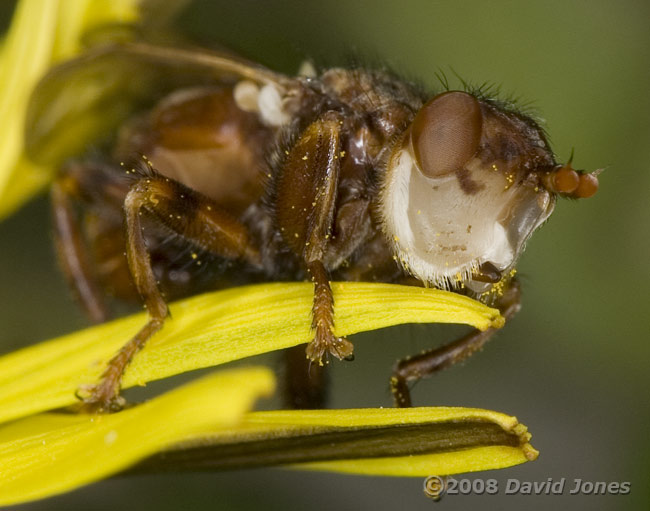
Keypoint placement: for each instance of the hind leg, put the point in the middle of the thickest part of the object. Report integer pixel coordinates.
(72, 251)
(190, 215)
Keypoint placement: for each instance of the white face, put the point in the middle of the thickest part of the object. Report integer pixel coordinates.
(442, 236)
(444, 225)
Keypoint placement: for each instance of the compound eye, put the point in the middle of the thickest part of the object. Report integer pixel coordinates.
(446, 133)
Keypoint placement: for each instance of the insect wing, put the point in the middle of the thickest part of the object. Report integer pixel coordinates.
(85, 99)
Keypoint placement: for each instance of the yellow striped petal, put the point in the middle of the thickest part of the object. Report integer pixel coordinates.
(47, 454)
(216, 328)
(411, 442)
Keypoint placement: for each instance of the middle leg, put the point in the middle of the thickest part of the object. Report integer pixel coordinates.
(305, 383)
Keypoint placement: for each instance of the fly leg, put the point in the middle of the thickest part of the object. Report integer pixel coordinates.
(188, 214)
(306, 192)
(72, 250)
(83, 194)
(325, 341)
(425, 364)
(305, 383)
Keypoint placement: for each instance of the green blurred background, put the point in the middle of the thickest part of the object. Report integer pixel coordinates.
(572, 365)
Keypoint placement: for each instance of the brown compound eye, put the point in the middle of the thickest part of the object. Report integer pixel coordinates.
(446, 133)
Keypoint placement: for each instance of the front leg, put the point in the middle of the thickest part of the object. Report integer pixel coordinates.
(198, 220)
(306, 191)
(425, 364)
(325, 341)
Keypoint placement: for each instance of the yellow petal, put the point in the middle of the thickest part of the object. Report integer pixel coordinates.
(41, 34)
(388, 441)
(51, 453)
(75, 18)
(47, 454)
(25, 57)
(26, 180)
(216, 328)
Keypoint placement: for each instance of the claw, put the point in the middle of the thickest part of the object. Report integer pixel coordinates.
(99, 398)
(326, 342)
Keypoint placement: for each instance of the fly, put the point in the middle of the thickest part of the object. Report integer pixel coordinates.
(221, 172)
